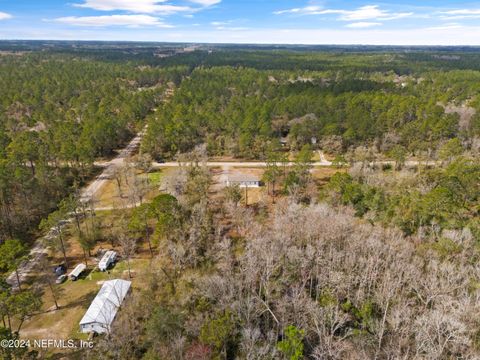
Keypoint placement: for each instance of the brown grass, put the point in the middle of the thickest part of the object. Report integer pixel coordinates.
(322, 175)
(109, 195)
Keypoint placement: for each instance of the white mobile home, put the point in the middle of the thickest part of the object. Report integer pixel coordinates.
(243, 181)
(101, 313)
(79, 269)
(108, 259)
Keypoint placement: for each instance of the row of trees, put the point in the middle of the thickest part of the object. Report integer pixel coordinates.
(367, 60)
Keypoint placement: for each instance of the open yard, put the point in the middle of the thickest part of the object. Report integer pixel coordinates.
(323, 175)
(117, 193)
(74, 297)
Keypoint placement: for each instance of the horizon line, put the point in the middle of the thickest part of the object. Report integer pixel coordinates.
(241, 43)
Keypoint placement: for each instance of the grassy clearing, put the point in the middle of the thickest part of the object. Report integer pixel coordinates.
(110, 195)
(156, 177)
(323, 175)
(75, 298)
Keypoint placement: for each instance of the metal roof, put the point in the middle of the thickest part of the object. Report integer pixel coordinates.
(243, 178)
(78, 270)
(104, 307)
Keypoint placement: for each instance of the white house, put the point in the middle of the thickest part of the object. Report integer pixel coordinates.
(108, 259)
(101, 313)
(77, 272)
(243, 181)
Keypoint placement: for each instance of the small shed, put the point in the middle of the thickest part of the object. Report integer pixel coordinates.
(243, 181)
(75, 274)
(103, 309)
(108, 259)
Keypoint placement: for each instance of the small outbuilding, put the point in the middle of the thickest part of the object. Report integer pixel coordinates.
(75, 274)
(103, 309)
(243, 181)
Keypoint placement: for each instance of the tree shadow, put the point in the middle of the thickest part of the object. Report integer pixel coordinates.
(84, 301)
(84, 274)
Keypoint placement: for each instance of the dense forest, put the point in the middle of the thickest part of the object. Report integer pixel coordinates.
(58, 113)
(353, 100)
(374, 259)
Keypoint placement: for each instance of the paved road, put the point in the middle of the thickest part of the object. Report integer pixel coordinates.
(259, 164)
(228, 164)
(244, 164)
(106, 164)
(247, 164)
(87, 194)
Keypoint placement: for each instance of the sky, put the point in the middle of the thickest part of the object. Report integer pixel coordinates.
(440, 22)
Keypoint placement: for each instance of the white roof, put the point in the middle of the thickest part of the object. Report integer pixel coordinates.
(78, 270)
(106, 257)
(241, 178)
(104, 307)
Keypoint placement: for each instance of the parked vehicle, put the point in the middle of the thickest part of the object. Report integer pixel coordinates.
(61, 279)
(60, 269)
(75, 274)
(107, 260)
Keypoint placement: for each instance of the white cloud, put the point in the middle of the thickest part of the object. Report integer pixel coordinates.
(368, 12)
(5, 16)
(231, 28)
(363, 25)
(227, 25)
(307, 10)
(137, 6)
(449, 26)
(206, 2)
(372, 12)
(219, 23)
(461, 14)
(113, 20)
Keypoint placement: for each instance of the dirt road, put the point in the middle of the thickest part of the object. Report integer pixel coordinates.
(110, 166)
(87, 194)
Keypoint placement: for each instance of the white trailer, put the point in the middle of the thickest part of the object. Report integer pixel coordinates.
(108, 259)
(79, 269)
